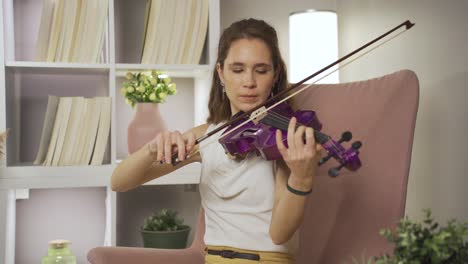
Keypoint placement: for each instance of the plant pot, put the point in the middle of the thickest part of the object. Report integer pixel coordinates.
(145, 125)
(165, 239)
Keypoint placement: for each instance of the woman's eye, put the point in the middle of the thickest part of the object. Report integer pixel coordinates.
(262, 71)
(237, 70)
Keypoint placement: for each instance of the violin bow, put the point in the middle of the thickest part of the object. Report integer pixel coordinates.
(261, 109)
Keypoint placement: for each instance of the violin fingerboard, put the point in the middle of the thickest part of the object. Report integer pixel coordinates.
(320, 137)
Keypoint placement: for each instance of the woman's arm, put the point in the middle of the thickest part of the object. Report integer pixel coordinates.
(288, 210)
(297, 169)
(143, 165)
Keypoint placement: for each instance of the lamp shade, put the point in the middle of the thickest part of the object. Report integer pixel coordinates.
(313, 44)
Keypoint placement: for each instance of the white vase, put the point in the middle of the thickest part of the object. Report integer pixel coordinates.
(145, 125)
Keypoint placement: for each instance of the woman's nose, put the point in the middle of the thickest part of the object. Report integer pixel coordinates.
(249, 80)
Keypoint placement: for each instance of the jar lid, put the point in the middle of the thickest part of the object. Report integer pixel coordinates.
(59, 243)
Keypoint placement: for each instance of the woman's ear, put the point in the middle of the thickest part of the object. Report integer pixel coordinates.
(220, 72)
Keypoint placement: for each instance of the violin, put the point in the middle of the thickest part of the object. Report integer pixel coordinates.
(258, 136)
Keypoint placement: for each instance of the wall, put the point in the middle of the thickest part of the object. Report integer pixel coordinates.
(434, 49)
(75, 214)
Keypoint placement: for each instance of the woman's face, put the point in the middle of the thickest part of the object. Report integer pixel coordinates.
(247, 74)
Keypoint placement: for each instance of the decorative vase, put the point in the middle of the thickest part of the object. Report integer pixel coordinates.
(165, 239)
(145, 125)
(59, 253)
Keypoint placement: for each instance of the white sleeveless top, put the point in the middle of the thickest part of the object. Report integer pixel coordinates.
(238, 198)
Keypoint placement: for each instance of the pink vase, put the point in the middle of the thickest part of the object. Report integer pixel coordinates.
(145, 125)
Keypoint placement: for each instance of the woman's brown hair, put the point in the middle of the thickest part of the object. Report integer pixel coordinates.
(218, 105)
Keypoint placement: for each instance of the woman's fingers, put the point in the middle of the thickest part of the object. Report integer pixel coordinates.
(160, 142)
(190, 141)
(299, 138)
(180, 142)
(167, 143)
(279, 143)
(309, 138)
(167, 146)
(291, 130)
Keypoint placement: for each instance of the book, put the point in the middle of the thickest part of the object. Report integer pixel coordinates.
(47, 127)
(192, 33)
(71, 11)
(59, 118)
(55, 31)
(103, 132)
(186, 31)
(174, 41)
(146, 21)
(99, 34)
(45, 26)
(92, 115)
(81, 137)
(65, 105)
(72, 133)
(201, 34)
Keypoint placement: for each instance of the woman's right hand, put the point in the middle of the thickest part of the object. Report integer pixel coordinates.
(166, 143)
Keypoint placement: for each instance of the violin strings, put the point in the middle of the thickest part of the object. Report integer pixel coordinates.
(293, 94)
(285, 122)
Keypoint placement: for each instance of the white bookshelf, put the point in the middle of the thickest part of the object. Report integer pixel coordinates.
(26, 84)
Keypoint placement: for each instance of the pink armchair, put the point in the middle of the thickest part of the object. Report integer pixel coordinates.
(344, 214)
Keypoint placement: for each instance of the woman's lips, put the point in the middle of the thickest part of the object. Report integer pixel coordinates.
(248, 98)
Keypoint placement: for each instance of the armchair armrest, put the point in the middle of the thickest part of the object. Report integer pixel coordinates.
(126, 255)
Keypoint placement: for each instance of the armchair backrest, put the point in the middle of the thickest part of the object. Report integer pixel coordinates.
(344, 214)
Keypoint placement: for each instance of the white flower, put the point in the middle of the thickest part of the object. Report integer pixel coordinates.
(167, 80)
(159, 86)
(152, 97)
(172, 88)
(141, 89)
(162, 96)
(130, 89)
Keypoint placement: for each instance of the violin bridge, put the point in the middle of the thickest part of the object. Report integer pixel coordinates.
(258, 115)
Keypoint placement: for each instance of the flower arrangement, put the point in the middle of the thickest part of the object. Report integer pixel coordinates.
(147, 87)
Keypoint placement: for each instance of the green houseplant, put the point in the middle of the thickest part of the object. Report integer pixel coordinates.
(425, 243)
(164, 229)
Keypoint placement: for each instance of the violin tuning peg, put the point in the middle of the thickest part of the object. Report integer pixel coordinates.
(346, 136)
(356, 145)
(334, 172)
(325, 159)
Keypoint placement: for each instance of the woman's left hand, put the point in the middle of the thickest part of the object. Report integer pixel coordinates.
(301, 157)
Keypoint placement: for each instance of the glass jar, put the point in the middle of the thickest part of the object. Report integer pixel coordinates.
(59, 253)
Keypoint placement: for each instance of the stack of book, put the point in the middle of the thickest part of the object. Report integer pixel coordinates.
(72, 31)
(75, 131)
(175, 31)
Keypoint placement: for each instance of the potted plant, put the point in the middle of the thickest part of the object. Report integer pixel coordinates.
(425, 243)
(145, 91)
(164, 229)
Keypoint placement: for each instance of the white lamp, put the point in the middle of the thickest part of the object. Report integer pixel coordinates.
(313, 44)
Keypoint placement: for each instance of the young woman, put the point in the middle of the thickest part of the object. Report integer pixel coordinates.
(252, 207)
